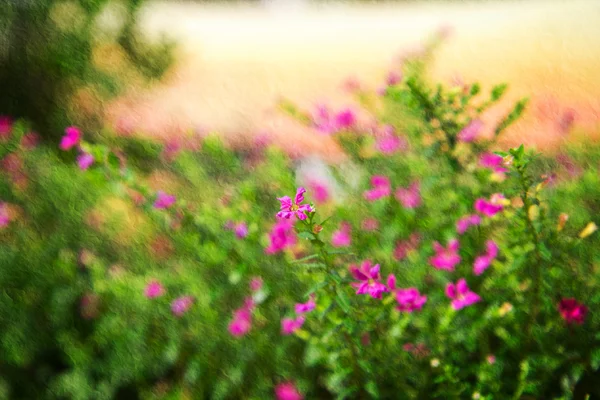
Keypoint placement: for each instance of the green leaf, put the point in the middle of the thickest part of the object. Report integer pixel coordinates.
(306, 235)
(315, 288)
(300, 260)
(595, 359)
(475, 89)
(498, 91)
(343, 300)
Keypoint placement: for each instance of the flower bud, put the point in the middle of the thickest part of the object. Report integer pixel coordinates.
(562, 220)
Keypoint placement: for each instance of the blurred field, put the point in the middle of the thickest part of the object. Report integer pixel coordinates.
(236, 61)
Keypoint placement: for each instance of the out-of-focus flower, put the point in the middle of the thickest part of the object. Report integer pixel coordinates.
(291, 208)
(505, 309)
(4, 215)
(30, 140)
(381, 187)
(320, 191)
(491, 207)
(562, 221)
(5, 127)
(89, 306)
(241, 323)
(470, 132)
(588, 230)
(310, 305)
(326, 122)
(281, 236)
(71, 138)
(403, 247)
(345, 119)
(241, 230)
(492, 161)
(390, 144)
(154, 289)
(287, 391)
(342, 237)
(369, 279)
(446, 258)
(180, 305)
(483, 262)
(164, 200)
(256, 283)
(572, 311)
(409, 197)
(369, 224)
(435, 363)
(466, 222)
(461, 295)
(491, 359)
(393, 78)
(290, 325)
(409, 299)
(84, 161)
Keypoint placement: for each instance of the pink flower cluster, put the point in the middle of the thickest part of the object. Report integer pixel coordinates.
(409, 197)
(464, 223)
(71, 139)
(240, 229)
(320, 191)
(446, 258)
(492, 161)
(327, 122)
(295, 208)
(242, 319)
(572, 311)
(369, 279)
(461, 295)
(491, 207)
(409, 300)
(403, 247)
(179, 306)
(4, 215)
(281, 237)
(381, 187)
(388, 142)
(291, 325)
(470, 132)
(163, 200)
(342, 237)
(483, 261)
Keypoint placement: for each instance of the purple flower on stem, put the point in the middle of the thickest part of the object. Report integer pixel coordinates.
(470, 132)
(164, 200)
(70, 139)
(461, 295)
(409, 299)
(342, 237)
(310, 305)
(291, 208)
(446, 258)
(290, 325)
(409, 197)
(572, 311)
(281, 236)
(85, 160)
(381, 188)
(466, 222)
(370, 279)
(483, 262)
(180, 305)
(154, 289)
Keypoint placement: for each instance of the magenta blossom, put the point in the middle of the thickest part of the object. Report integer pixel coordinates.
(85, 160)
(381, 188)
(466, 222)
(281, 236)
(241, 230)
(342, 237)
(154, 289)
(30, 140)
(71, 138)
(390, 144)
(572, 311)
(409, 197)
(322, 119)
(409, 299)
(446, 258)
(320, 191)
(164, 200)
(403, 247)
(287, 391)
(491, 207)
(5, 127)
(180, 305)
(289, 325)
(492, 161)
(4, 216)
(295, 208)
(483, 262)
(470, 132)
(370, 280)
(241, 323)
(345, 119)
(310, 305)
(461, 295)
(256, 284)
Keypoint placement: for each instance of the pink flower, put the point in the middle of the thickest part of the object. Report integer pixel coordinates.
(470, 132)
(409, 299)
(369, 224)
(390, 144)
(241, 230)
(446, 258)
(180, 305)
(403, 247)
(320, 191)
(256, 283)
(289, 325)
(491, 359)
(4, 216)
(483, 262)
(409, 197)
(287, 391)
(154, 289)
(381, 188)
(461, 295)
(491, 207)
(5, 127)
(322, 119)
(30, 140)
(71, 138)
(296, 208)
(310, 305)
(466, 222)
(345, 119)
(393, 78)
(241, 323)
(281, 236)
(342, 237)
(85, 160)
(492, 161)
(164, 200)
(370, 280)
(572, 311)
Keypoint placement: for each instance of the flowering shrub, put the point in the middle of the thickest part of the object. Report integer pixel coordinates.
(126, 275)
